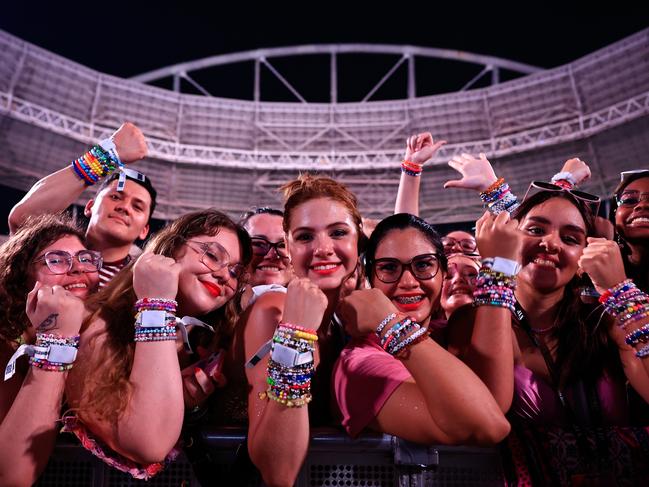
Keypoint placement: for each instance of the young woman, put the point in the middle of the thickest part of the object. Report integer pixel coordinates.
(457, 290)
(127, 390)
(632, 225)
(392, 377)
(560, 370)
(322, 226)
(270, 265)
(45, 272)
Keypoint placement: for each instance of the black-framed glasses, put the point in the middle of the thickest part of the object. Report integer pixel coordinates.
(423, 267)
(61, 262)
(215, 258)
(468, 245)
(261, 246)
(630, 197)
(591, 200)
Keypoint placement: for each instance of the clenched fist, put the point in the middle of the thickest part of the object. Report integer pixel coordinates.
(305, 304)
(130, 143)
(155, 276)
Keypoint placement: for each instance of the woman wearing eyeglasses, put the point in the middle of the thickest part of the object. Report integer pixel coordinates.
(126, 388)
(632, 224)
(392, 377)
(270, 267)
(45, 272)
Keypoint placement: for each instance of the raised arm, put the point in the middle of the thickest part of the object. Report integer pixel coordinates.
(483, 339)
(278, 435)
(30, 405)
(419, 149)
(57, 191)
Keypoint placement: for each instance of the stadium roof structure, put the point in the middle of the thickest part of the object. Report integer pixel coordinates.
(229, 153)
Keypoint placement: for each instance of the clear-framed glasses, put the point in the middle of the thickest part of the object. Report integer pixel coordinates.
(61, 262)
(423, 267)
(261, 246)
(630, 197)
(468, 245)
(591, 200)
(215, 258)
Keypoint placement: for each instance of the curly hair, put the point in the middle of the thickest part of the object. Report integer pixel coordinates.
(16, 257)
(108, 390)
(307, 187)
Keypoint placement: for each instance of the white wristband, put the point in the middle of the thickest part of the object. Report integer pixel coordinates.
(501, 264)
(289, 357)
(109, 146)
(564, 176)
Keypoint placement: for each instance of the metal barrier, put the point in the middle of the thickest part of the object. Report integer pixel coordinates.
(334, 460)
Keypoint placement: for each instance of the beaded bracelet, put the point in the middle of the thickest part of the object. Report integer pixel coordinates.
(300, 332)
(54, 353)
(410, 172)
(288, 384)
(626, 303)
(412, 166)
(410, 340)
(498, 197)
(643, 352)
(95, 164)
(637, 336)
(156, 304)
(494, 289)
(383, 323)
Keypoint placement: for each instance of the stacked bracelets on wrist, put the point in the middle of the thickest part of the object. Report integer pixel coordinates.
(97, 163)
(628, 304)
(400, 335)
(411, 169)
(290, 367)
(54, 352)
(494, 288)
(155, 320)
(498, 198)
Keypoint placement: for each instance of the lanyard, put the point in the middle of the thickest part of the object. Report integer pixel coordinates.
(590, 392)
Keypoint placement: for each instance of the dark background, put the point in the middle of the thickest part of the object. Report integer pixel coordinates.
(129, 38)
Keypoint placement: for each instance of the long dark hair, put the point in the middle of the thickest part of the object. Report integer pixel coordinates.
(584, 350)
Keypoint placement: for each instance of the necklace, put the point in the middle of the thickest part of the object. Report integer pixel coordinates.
(540, 331)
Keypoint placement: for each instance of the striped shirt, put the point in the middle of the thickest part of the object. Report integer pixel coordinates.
(109, 269)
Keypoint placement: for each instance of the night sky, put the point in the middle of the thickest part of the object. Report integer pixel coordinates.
(128, 38)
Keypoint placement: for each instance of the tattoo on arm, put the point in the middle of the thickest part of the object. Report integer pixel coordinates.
(48, 323)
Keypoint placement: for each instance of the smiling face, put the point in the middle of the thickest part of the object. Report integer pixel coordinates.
(554, 239)
(323, 242)
(271, 267)
(418, 298)
(459, 282)
(632, 221)
(79, 283)
(200, 289)
(118, 217)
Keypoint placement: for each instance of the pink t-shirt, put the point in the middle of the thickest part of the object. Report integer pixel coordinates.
(364, 377)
